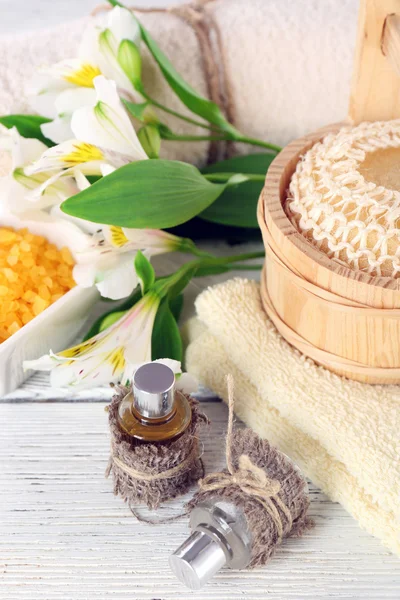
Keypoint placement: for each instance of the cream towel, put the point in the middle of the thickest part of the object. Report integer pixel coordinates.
(344, 435)
(289, 64)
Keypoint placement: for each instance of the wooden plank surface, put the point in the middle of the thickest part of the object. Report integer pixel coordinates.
(65, 536)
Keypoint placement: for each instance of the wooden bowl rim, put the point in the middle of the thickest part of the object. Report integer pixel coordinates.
(273, 207)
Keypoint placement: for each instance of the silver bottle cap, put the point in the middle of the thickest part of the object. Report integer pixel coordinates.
(220, 538)
(154, 390)
(197, 560)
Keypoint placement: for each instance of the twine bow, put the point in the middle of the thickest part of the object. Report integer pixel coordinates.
(248, 477)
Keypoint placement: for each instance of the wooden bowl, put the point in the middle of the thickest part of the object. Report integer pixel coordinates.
(363, 338)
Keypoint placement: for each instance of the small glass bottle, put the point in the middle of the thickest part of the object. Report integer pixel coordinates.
(154, 411)
(220, 537)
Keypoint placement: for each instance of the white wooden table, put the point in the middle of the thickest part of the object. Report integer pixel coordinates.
(65, 536)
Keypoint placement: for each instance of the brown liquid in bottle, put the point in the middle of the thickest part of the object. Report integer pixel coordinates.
(155, 429)
(154, 411)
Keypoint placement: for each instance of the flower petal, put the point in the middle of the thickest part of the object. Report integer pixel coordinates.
(107, 125)
(97, 370)
(110, 67)
(23, 150)
(71, 153)
(44, 363)
(187, 383)
(74, 71)
(155, 241)
(106, 169)
(123, 25)
(59, 130)
(82, 224)
(84, 275)
(72, 99)
(42, 92)
(119, 281)
(103, 358)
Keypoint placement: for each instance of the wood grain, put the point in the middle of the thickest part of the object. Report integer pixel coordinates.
(369, 338)
(66, 537)
(375, 91)
(390, 44)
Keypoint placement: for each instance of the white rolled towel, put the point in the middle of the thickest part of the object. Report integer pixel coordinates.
(287, 65)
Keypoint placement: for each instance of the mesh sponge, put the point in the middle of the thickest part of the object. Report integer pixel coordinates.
(343, 197)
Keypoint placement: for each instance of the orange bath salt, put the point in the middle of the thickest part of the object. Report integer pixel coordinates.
(26, 317)
(67, 256)
(25, 246)
(56, 297)
(7, 236)
(33, 274)
(13, 328)
(48, 281)
(10, 274)
(12, 260)
(44, 292)
(39, 305)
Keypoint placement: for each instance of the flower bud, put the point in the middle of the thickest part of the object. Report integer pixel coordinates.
(150, 139)
(130, 62)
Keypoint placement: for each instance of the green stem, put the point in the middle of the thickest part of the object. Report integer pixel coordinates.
(239, 257)
(192, 138)
(223, 177)
(246, 267)
(176, 114)
(256, 142)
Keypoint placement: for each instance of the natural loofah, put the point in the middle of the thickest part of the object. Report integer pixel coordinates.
(345, 197)
(180, 457)
(293, 495)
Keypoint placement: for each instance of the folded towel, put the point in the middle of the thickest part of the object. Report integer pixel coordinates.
(343, 434)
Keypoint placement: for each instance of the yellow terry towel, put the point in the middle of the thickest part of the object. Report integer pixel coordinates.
(344, 435)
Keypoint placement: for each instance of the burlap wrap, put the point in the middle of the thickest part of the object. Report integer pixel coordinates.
(293, 495)
(152, 460)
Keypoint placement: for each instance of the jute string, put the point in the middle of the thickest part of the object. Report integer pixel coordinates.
(198, 16)
(249, 478)
(144, 476)
(334, 302)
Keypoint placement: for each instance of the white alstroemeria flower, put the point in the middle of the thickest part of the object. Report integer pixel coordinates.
(113, 274)
(150, 241)
(20, 191)
(104, 136)
(121, 25)
(103, 358)
(185, 382)
(58, 90)
(108, 259)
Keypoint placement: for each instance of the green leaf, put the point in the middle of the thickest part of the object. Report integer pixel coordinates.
(238, 204)
(145, 272)
(146, 194)
(176, 306)
(211, 270)
(28, 126)
(199, 105)
(141, 111)
(166, 340)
